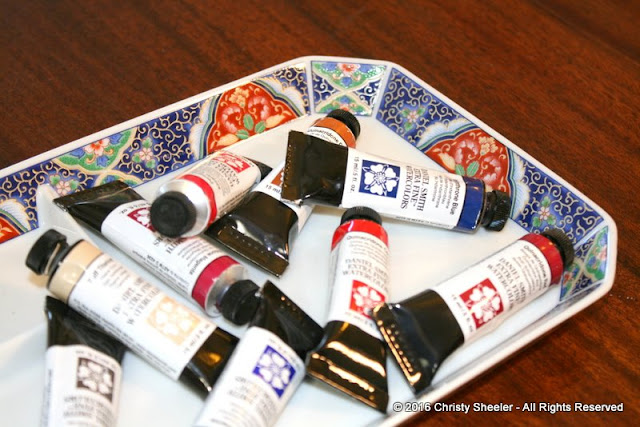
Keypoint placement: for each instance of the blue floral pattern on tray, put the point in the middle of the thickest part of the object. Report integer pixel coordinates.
(349, 86)
(153, 148)
(540, 202)
(135, 156)
(407, 108)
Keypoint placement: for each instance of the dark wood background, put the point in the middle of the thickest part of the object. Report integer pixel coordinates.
(561, 79)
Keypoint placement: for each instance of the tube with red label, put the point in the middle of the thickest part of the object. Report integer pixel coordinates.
(351, 356)
(161, 330)
(192, 266)
(187, 205)
(422, 331)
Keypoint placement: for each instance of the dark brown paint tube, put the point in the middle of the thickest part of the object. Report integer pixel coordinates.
(192, 266)
(319, 172)
(422, 331)
(83, 370)
(267, 367)
(352, 356)
(263, 227)
(168, 335)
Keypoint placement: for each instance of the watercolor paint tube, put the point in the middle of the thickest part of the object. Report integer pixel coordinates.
(83, 370)
(187, 205)
(267, 366)
(422, 331)
(263, 227)
(352, 355)
(192, 266)
(340, 176)
(168, 335)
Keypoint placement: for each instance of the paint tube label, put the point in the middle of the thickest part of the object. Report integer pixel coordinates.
(179, 262)
(271, 185)
(258, 381)
(359, 273)
(480, 296)
(155, 326)
(406, 192)
(228, 176)
(332, 130)
(326, 134)
(82, 387)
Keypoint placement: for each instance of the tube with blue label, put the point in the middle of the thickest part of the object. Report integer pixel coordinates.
(319, 172)
(267, 366)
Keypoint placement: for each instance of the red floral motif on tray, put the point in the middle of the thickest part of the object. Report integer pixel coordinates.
(7, 230)
(476, 154)
(245, 111)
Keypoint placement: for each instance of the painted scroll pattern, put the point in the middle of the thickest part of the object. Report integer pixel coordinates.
(151, 149)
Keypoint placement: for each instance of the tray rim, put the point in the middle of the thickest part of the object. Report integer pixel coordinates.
(511, 346)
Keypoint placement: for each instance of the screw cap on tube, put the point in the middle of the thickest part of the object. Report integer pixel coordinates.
(43, 249)
(348, 119)
(501, 209)
(173, 214)
(240, 302)
(361, 212)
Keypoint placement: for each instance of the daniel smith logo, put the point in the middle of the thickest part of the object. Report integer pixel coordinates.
(275, 370)
(234, 162)
(483, 302)
(141, 216)
(379, 178)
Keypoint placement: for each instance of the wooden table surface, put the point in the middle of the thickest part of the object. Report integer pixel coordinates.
(561, 79)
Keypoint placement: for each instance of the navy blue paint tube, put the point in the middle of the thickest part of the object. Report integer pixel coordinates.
(267, 366)
(339, 176)
(83, 373)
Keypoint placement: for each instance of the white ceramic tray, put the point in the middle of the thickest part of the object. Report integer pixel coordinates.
(402, 117)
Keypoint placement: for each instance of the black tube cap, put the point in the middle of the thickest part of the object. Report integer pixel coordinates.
(563, 243)
(43, 249)
(361, 212)
(240, 302)
(173, 214)
(348, 119)
(500, 212)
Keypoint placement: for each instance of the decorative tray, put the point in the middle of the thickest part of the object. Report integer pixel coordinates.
(401, 117)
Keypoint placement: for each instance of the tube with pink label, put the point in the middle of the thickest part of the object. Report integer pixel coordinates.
(192, 266)
(422, 331)
(187, 205)
(351, 356)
